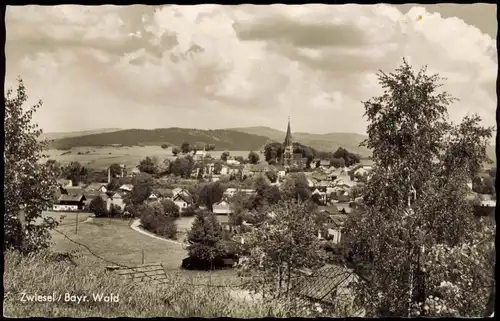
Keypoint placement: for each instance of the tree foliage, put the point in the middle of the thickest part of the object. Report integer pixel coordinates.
(29, 185)
(115, 170)
(253, 157)
(170, 208)
(337, 162)
(182, 167)
(185, 147)
(209, 193)
(98, 207)
(296, 186)
(416, 199)
(75, 172)
(143, 187)
(206, 238)
(175, 150)
(224, 156)
(280, 247)
(272, 175)
(348, 157)
(148, 165)
(154, 220)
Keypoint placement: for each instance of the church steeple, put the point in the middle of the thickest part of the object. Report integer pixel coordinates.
(288, 146)
(288, 137)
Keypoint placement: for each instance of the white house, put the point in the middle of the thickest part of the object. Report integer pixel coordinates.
(182, 200)
(224, 170)
(363, 170)
(335, 225)
(230, 192)
(199, 154)
(222, 207)
(232, 162)
(127, 187)
(116, 200)
(153, 197)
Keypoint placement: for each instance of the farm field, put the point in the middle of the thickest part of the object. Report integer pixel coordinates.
(102, 157)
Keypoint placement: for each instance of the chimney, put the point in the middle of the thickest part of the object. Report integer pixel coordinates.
(109, 175)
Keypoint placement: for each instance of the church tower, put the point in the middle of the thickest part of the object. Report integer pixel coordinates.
(288, 147)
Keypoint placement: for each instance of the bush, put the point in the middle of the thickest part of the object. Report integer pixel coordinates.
(170, 208)
(98, 207)
(190, 211)
(158, 223)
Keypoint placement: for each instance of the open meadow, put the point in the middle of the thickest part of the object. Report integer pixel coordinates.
(102, 157)
(116, 242)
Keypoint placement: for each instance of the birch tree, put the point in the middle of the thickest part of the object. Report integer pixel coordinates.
(416, 201)
(29, 184)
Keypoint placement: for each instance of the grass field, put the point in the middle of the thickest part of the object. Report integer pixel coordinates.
(44, 274)
(102, 157)
(115, 241)
(66, 218)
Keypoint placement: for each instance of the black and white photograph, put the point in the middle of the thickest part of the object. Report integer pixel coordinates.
(250, 161)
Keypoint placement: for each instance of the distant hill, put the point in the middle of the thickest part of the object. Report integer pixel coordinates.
(221, 138)
(59, 135)
(321, 142)
(248, 138)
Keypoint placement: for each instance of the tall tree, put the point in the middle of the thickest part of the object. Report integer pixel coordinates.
(416, 200)
(28, 184)
(175, 150)
(182, 167)
(224, 156)
(75, 171)
(148, 165)
(253, 157)
(206, 238)
(337, 162)
(185, 147)
(115, 170)
(209, 147)
(143, 187)
(209, 193)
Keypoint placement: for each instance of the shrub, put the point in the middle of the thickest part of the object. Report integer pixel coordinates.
(170, 208)
(158, 223)
(189, 211)
(98, 207)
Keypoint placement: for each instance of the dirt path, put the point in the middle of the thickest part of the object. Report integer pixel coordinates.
(136, 226)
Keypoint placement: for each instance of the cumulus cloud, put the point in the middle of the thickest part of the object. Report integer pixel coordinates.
(211, 66)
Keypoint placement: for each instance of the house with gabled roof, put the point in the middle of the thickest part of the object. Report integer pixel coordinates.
(96, 187)
(69, 203)
(183, 200)
(222, 207)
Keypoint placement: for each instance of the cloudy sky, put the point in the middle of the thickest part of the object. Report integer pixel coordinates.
(212, 66)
